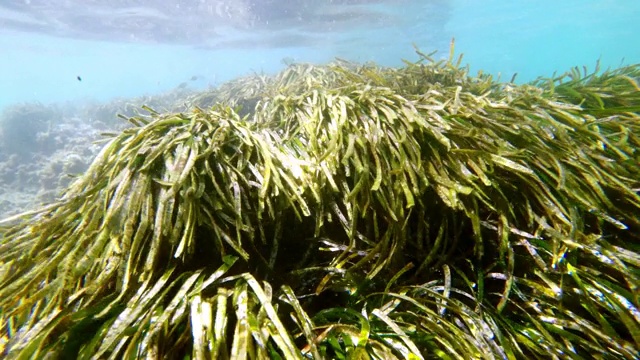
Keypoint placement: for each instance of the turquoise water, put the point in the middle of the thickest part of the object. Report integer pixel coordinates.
(527, 37)
(536, 38)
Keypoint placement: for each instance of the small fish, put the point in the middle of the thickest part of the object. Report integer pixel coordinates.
(194, 78)
(79, 78)
(288, 61)
(182, 85)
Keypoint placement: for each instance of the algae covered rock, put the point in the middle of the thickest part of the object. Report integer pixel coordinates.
(24, 128)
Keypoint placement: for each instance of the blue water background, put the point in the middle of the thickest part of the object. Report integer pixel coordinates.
(527, 37)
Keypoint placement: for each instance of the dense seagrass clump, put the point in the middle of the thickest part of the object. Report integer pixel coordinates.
(346, 211)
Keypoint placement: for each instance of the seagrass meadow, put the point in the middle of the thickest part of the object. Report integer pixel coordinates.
(346, 211)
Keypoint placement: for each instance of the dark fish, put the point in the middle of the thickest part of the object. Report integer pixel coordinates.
(79, 78)
(194, 78)
(182, 85)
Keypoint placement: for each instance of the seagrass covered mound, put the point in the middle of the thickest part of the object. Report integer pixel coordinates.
(346, 211)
